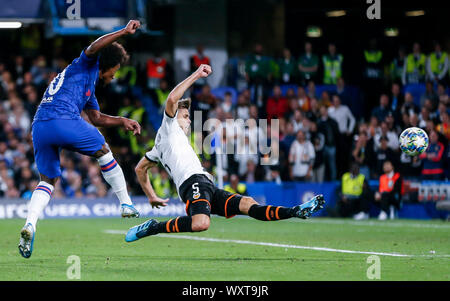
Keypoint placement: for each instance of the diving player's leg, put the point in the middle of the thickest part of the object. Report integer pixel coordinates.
(234, 204)
(198, 208)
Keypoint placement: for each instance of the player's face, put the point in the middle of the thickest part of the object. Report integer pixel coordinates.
(107, 76)
(183, 120)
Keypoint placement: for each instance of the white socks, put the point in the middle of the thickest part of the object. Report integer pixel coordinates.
(39, 199)
(112, 173)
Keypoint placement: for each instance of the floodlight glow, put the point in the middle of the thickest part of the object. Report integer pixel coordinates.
(10, 25)
(415, 13)
(336, 13)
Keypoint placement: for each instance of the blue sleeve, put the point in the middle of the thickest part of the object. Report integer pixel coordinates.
(86, 60)
(92, 104)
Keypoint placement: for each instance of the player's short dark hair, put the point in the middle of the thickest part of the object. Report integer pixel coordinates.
(184, 103)
(112, 55)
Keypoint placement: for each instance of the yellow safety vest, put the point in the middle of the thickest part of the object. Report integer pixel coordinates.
(436, 64)
(162, 188)
(162, 96)
(241, 188)
(373, 57)
(412, 65)
(135, 147)
(332, 69)
(352, 186)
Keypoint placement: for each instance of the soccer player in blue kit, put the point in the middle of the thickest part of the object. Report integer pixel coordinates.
(58, 124)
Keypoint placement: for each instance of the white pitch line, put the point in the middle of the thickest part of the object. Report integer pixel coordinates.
(377, 224)
(268, 244)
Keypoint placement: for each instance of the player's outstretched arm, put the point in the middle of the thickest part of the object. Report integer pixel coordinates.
(102, 120)
(142, 174)
(107, 39)
(178, 92)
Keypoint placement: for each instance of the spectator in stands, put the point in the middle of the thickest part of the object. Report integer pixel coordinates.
(325, 100)
(303, 99)
(308, 65)
(311, 89)
(39, 71)
(274, 175)
(437, 116)
(205, 100)
(346, 124)
(392, 137)
(437, 65)
(301, 158)
(383, 110)
(160, 94)
(277, 105)
(330, 129)
(343, 92)
(157, 69)
(392, 126)
(299, 121)
(433, 163)
(382, 154)
(235, 186)
(287, 68)
(397, 98)
(397, 66)
(389, 193)
(431, 95)
(332, 65)
(353, 199)
(245, 152)
(410, 166)
(314, 113)
(414, 68)
(195, 61)
(373, 73)
(242, 108)
(424, 117)
(362, 153)
(409, 107)
(227, 103)
(442, 94)
(444, 126)
(293, 106)
(257, 74)
(318, 141)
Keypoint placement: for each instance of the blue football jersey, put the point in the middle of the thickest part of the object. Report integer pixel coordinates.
(71, 91)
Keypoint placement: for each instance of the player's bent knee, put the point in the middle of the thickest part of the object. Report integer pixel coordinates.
(245, 204)
(200, 223)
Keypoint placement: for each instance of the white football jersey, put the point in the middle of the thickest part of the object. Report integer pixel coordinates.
(173, 150)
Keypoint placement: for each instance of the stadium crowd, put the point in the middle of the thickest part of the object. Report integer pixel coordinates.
(321, 131)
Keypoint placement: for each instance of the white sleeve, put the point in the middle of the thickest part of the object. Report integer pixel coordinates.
(167, 122)
(152, 155)
(351, 126)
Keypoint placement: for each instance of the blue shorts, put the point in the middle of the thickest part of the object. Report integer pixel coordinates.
(50, 136)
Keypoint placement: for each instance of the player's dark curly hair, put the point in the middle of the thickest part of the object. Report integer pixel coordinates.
(112, 55)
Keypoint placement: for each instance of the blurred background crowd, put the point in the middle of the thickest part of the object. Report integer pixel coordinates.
(323, 126)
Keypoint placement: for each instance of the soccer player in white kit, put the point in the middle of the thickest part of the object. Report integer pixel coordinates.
(195, 186)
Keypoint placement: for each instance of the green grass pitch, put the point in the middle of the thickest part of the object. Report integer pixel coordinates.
(106, 256)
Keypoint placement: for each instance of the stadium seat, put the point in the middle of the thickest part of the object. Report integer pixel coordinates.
(220, 93)
(416, 90)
